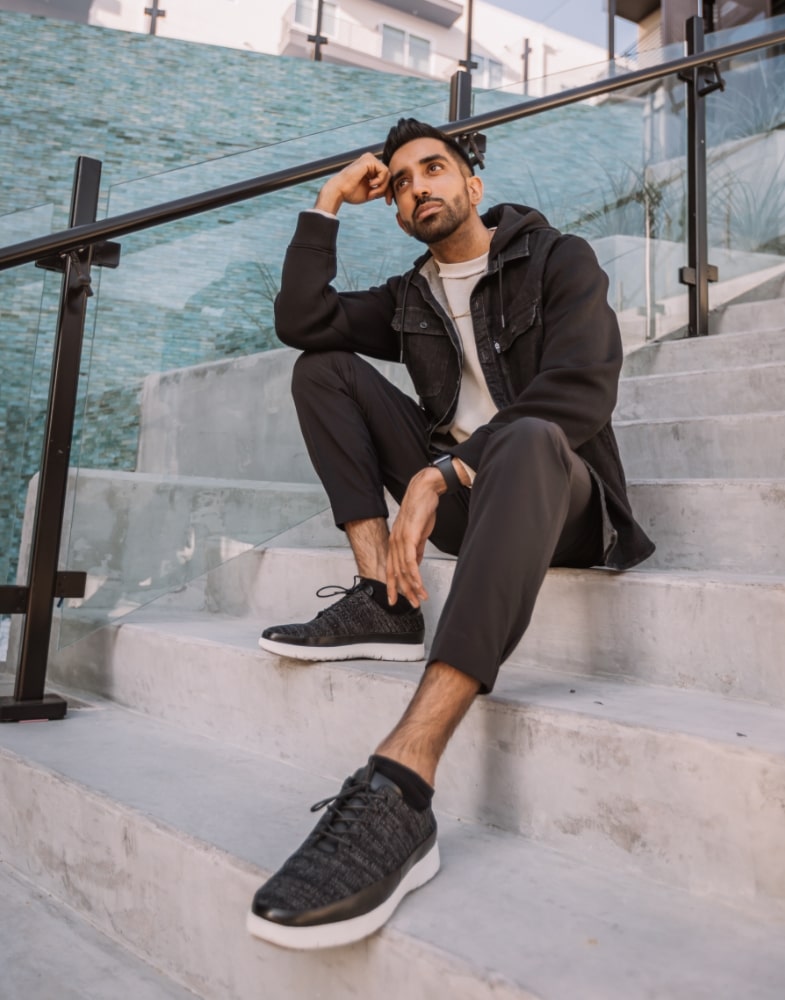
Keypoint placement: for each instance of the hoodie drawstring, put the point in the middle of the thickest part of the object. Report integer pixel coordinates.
(403, 313)
(501, 296)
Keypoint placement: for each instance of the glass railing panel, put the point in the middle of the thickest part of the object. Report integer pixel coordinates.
(28, 306)
(611, 170)
(746, 172)
(186, 452)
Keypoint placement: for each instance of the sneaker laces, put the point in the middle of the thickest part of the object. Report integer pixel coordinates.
(343, 810)
(334, 589)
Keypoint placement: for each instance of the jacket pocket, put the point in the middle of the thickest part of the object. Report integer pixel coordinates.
(523, 318)
(425, 350)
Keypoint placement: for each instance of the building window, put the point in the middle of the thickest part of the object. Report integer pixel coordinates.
(406, 50)
(419, 54)
(487, 73)
(495, 73)
(393, 45)
(305, 14)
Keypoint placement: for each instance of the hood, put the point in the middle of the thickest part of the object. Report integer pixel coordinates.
(511, 221)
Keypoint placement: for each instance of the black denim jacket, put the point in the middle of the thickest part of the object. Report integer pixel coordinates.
(547, 340)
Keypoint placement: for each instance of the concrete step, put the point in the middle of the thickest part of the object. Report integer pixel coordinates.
(741, 317)
(671, 628)
(675, 628)
(732, 526)
(627, 775)
(726, 350)
(96, 823)
(46, 950)
(756, 389)
(738, 446)
(257, 436)
(139, 535)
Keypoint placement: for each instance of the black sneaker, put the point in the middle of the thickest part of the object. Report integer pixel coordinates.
(364, 855)
(354, 628)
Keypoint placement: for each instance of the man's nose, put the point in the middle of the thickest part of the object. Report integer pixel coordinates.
(422, 187)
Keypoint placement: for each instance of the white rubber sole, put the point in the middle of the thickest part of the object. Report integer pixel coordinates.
(399, 651)
(345, 931)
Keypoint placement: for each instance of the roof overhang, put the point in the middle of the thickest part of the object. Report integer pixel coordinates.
(636, 10)
(442, 12)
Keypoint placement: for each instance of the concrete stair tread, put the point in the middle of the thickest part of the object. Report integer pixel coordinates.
(736, 370)
(47, 951)
(721, 418)
(754, 388)
(662, 626)
(720, 350)
(505, 914)
(748, 725)
(206, 482)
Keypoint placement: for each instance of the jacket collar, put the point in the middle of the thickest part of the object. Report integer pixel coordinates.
(513, 224)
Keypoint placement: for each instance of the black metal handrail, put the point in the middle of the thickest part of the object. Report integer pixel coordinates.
(181, 208)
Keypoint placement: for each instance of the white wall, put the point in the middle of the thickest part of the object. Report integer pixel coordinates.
(259, 25)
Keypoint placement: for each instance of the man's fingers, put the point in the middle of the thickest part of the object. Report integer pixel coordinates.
(403, 572)
(367, 178)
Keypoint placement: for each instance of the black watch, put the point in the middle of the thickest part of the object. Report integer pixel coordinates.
(444, 464)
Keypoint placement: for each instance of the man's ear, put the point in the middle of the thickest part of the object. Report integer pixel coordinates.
(402, 224)
(475, 187)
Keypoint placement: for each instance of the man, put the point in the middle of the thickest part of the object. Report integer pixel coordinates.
(508, 461)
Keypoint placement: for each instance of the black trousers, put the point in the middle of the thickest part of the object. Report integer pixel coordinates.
(533, 503)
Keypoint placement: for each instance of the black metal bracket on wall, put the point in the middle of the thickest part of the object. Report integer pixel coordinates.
(45, 584)
(701, 81)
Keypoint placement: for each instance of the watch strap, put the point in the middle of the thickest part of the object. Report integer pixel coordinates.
(444, 464)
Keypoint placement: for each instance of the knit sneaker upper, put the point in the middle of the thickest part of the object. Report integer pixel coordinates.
(354, 858)
(356, 617)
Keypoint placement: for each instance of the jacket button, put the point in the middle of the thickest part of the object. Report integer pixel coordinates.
(423, 325)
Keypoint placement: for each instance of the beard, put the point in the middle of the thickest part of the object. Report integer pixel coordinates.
(443, 224)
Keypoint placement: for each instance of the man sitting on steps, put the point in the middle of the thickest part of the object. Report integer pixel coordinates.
(508, 461)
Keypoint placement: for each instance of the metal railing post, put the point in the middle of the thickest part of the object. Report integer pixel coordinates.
(44, 583)
(460, 96)
(701, 81)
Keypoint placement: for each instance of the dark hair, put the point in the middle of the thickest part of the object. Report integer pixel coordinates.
(409, 129)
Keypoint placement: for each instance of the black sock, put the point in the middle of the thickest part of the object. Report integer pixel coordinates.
(400, 607)
(416, 791)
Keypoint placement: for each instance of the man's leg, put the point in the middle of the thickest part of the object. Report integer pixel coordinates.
(362, 435)
(441, 700)
(533, 506)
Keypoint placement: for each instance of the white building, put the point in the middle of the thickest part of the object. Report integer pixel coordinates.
(424, 38)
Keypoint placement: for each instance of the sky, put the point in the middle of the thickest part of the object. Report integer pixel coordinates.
(587, 19)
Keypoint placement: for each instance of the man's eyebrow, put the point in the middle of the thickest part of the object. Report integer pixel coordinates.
(425, 160)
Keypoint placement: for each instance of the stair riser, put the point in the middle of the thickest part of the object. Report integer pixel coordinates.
(724, 526)
(658, 803)
(754, 316)
(751, 390)
(731, 350)
(182, 904)
(735, 447)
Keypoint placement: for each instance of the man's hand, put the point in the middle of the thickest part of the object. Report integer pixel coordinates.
(409, 534)
(362, 181)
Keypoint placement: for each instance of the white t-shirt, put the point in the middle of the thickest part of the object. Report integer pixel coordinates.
(475, 405)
